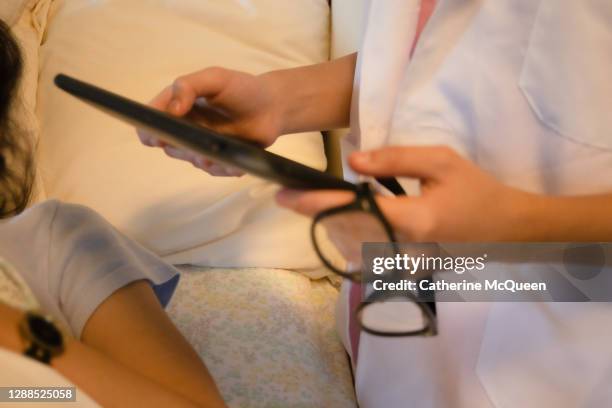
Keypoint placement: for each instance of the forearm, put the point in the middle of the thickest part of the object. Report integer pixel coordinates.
(110, 383)
(132, 329)
(106, 381)
(564, 219)
(315, 97)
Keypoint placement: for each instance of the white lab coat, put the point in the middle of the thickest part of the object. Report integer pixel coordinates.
(522, 88)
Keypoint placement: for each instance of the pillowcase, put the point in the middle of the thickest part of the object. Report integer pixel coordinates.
(11, 10)
(347, 26)
(137, 48)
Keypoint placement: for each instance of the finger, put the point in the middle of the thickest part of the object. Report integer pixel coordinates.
(215, 169)
(234, 172)
(202, 162)
(219, 170)
(148, 139)
(208, 166)
(145, 138)
(422, 162)
(160, 102)
(211, 118)
(186, 89)
(178, 153)
(409, 217)
(312, 202)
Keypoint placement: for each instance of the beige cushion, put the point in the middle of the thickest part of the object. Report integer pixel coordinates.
(11, 10)
(136, 48)
(347, 26)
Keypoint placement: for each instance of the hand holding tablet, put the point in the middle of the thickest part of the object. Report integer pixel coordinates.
(223, 100)
(180, 132)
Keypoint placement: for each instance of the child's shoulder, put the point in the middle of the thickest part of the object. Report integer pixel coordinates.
(36, 218)
(56, 218)
(71, 213)
(74, 221)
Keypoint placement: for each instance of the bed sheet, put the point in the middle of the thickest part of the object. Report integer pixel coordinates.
(268, 336)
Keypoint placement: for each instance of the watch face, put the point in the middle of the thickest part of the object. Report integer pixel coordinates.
(45, 332)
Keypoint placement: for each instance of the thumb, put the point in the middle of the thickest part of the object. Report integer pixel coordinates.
(186, 89)
(421, 162)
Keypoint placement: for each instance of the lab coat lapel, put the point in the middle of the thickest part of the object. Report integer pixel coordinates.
(385, 52)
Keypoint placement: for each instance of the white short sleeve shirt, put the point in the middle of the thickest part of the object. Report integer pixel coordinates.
(72, 260)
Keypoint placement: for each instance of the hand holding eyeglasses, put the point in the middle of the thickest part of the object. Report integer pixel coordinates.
(458, 201)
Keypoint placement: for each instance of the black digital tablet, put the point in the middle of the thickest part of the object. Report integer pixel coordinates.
(226, 149)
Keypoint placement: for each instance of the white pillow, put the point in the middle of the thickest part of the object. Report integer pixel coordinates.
(11, 10)
(136, 48)
(347, 26)
(346, 32)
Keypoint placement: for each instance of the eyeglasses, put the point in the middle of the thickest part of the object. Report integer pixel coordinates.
(337, 235)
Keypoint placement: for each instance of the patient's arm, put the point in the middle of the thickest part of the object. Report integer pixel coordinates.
(144, 339)
(131, 355)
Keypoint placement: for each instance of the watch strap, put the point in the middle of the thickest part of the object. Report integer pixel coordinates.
(38, 353)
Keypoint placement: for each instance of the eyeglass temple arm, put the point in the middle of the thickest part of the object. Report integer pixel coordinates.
(391, 184)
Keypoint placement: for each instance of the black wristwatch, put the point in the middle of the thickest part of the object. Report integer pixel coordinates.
(41, 336)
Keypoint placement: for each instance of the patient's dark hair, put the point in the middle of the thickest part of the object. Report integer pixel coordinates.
(16, 160)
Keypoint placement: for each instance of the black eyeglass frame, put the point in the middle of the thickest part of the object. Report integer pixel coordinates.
(431, 320)
(365, 201)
